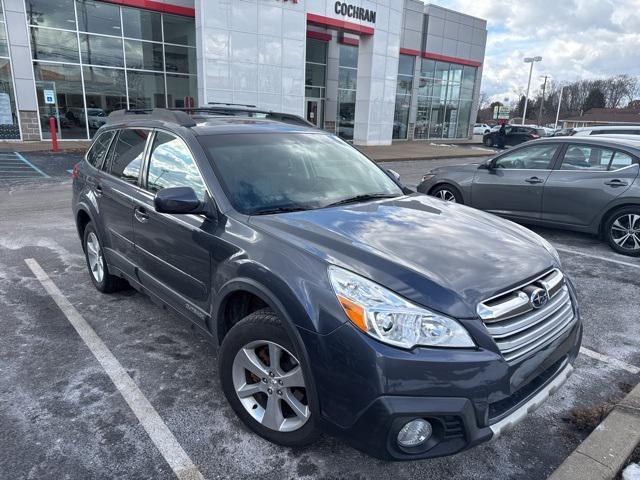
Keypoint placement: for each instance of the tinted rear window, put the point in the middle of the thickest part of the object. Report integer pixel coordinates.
(126, 159)
(99, 148)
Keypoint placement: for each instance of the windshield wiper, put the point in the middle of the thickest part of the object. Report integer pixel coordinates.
(269, 211)
(362, 198)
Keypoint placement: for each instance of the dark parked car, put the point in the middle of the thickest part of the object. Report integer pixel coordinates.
(587, 184)
(516, 135)
(341, 302)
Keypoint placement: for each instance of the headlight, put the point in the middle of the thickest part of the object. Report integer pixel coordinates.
(392, 319)
(427, 177)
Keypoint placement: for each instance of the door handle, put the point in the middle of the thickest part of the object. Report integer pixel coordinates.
(141, 214)
(616, 183)
(534, 180)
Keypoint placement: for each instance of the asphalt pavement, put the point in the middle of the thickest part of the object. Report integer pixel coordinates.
(62, 416)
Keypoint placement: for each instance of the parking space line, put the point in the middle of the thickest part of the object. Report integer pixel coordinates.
(598, 257)
(612, 361)
(149, 418)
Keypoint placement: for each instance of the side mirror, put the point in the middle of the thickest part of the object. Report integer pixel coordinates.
(178, 200)
(393, 174)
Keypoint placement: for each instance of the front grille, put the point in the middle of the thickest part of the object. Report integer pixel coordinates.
(520, 328)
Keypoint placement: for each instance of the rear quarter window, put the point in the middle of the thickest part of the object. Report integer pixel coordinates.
(99, 148)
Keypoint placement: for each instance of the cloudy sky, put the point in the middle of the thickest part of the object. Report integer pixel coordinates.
(576, 38)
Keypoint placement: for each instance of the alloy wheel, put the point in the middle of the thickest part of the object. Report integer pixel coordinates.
(625, 231)
(269, 383)
(446, 195)
(94, 255)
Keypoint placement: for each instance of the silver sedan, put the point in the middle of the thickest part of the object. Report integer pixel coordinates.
(590, 185)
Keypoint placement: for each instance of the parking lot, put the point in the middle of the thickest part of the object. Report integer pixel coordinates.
(63, 417)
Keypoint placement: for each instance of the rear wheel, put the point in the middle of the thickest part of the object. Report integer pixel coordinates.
(447, 193)
(488, 141)
(622, 231)
(98, 269)
(262, 377)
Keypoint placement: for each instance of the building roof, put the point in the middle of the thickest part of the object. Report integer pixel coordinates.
(608, 115)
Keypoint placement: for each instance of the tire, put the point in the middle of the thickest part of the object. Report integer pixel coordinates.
(253, 338)
(622, 231)
(448, 193)
(488, 142)
(102, 280)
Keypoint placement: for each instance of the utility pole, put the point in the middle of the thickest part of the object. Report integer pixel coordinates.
(530, 60)
(544, 87)
(559, 103)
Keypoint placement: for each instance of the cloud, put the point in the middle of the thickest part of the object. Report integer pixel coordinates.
(578, 39)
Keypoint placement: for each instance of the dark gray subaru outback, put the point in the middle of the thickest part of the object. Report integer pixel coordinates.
(342, 302)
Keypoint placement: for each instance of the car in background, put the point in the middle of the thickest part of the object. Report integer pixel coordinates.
(564, 132)
(481, 129)
(584, 184)
(516, 134)
(97, 117)
(608, 130)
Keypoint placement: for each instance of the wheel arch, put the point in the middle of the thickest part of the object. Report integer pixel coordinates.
(83, 217)
(450, 184)
(216, 323)
(611, 209)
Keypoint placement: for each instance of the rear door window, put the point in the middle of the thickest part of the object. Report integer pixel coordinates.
(128, 153)
(99, 148)
(585, 157)
(621, 160)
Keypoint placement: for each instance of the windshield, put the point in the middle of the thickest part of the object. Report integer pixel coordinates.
(266, 172)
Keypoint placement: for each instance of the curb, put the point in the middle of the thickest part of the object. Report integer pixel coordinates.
(604, 452)
(432, 157)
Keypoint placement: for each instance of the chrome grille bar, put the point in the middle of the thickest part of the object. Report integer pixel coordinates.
(518, 327)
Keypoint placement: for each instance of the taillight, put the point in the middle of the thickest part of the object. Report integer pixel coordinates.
(533, 135)
(74, 172)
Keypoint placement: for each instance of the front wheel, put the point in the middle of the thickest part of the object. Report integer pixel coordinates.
(262, 377)
(488, 142)
(622, 231)
(447, 193)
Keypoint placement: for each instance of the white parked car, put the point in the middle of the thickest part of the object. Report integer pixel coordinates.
(481, 129)
(608, 130)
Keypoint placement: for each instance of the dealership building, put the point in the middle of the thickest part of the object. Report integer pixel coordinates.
(370, 71)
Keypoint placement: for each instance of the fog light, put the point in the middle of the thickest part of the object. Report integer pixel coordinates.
(414, 433)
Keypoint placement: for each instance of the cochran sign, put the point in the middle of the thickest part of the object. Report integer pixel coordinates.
(355, 12)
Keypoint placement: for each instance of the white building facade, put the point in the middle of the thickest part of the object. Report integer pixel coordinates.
(370, 71)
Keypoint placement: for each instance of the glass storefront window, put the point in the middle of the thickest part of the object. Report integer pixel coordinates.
(347, 80)
(68, 110)
(143, 55)
(4, 48)
(179, 30)
(55, 45)
(105, 91)
(181, 90)
(316, 51)
(349, 56)
(404, 91)
(346, 113)
(51, 13)
(99, 50)
(146, 90)
(142, 24)
(315, 74)
(99, 17)
(180, 59)
(445, 95)
(8, 120)
(119, 51)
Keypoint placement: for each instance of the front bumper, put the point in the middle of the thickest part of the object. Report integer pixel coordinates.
(368, 391)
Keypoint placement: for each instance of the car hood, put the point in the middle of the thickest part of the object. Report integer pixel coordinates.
(445, 256)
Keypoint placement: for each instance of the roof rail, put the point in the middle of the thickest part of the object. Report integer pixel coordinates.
(232, 104)
(163, 114)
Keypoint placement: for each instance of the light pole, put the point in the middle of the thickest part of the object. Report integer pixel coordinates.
(530, 60)
(558, 112)
(544, 88)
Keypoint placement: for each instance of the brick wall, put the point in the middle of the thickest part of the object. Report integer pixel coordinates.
(29, 121)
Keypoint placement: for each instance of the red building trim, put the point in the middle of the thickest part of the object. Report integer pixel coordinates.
(325, 37)
(408, 51)
(339, 24)
(349, 41)
(156, 7)
(445, 58)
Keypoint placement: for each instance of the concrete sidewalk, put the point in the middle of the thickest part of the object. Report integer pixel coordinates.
(397, 151)
(424, 150)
